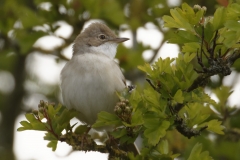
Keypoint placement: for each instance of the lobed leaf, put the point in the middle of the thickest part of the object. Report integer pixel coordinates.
(147, 69)
(197, 154)
(178, 96)
(155, 128)
(156, 133)
(53, 145)
(152, 97)
(163, 65)
(181, 21)
(233, 11)
(215, 126)
(182, 36)
(231, 38)
(219, 18)
(190, 14)
(191, 47)
(32, 124)
(49, 136)
(107, 119)
(170, 22)
(189, 57)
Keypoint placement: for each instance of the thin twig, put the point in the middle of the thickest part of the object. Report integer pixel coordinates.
(227, 51)
(214, 44)
(156, 51)
(150, 82)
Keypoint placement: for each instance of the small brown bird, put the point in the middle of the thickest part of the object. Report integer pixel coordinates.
(91, 78)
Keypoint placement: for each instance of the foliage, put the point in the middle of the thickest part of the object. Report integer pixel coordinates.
(174, 99)
(57, 119)
(24, 22)
(196, 153)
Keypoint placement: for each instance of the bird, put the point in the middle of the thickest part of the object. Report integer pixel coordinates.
(90, 80)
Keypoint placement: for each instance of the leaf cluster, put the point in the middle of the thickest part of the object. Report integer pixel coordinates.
(51, 118)
(173, 100)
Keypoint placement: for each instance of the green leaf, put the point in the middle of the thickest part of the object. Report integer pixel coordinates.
(163, 147)
(137, 118)
(119, 133)
(189, 14)
(170, 22)
(155, 128)
(122, 135)
(197, 154)
(189, 57)
(146, 68)
(107, 119)
(219, 18)
(51, 111)
(215, 126)
(184, 18)
(156, 133)
(33, 124)
(53, 145)
(163, 65)
(181, 37)
(30, 117)
(191, 47)
(65, 116)
(186, 8)
(181, 21)
(231, 38)
(178, 96)
(152, 97)
(223, 93)
(81, 129)
(26, 124)
(208, 32)
(127, 139)
(232, 25)
(233, 11)
(135, 98)
(49, 136)
(195, 114)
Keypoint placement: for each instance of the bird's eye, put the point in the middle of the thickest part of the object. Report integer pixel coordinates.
(102, 36)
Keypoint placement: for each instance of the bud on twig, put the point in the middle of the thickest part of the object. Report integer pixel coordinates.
(124, 111)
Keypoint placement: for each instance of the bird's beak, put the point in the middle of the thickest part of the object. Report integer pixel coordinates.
(119, 40)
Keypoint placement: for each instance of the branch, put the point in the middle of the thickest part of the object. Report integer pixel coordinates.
(49, 114)
(214, 44)
(182, 127)
(55, 52)
(155, 51)
(78, 142)
(233, 57)
(152, 85)
(219, 66)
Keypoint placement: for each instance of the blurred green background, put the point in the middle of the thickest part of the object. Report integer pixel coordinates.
(24, 22)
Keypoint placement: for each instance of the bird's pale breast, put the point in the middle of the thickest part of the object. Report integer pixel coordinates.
(89, 85)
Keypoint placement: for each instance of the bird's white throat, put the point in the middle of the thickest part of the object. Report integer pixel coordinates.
(108, 48)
